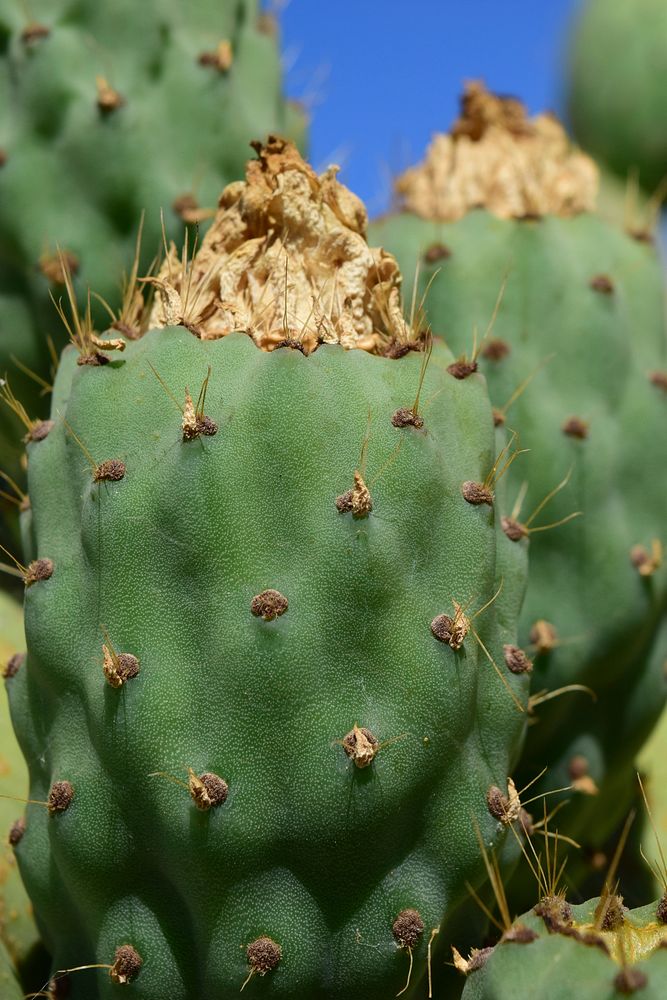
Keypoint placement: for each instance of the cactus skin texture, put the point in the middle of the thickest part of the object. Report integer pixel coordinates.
(18, 934)
(275, 633)
(617, 100)
(9, 984)
(582, 314)
(576, 958)
(77, 172)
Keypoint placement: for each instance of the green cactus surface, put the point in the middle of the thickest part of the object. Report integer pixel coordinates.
(258, 697)
(18, 933)
(108, 111)
(617, 98)
(11, 988)
(576, 365)
(597, 950)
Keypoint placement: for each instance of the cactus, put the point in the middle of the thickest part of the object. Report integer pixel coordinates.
(575, 364)
(9, 984)
(272, 680)
(618, 65)
(109, 110)
(653, 767)
(18, 934)
(597, 950)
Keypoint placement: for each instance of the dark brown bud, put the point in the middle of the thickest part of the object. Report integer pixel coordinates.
(268, 605)
(407, 928)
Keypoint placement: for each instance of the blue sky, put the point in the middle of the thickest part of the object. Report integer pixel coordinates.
(382, 75)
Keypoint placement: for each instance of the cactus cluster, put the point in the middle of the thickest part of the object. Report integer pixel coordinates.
(500, 217)
(18, 934)
(324, 585)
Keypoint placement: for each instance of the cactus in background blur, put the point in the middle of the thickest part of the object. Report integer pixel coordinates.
(18, 934)
(9, 984)
(273, 682)
(617, 94)
(598, 950)
(108, 110)
(576, 365)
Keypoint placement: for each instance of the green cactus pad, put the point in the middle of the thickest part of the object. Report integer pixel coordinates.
(18, 933)
(580, 327)
(9, 984)
(574, 958)
(243, 599)
(617, 102)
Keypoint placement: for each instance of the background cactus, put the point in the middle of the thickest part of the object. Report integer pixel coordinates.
(11, 988)
(18, 934)
(271, 596)
(595, 951)
(108, 110)
(617, 103)
(576, 365)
